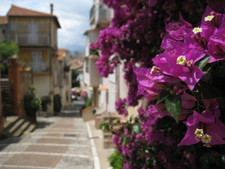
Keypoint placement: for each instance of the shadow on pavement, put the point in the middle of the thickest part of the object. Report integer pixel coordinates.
(8, 141)
(73, 113)
(43, 124)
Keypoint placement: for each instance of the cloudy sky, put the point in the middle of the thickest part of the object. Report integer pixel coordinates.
(73, 16)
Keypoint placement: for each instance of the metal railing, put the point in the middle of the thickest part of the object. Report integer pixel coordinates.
(26, 39)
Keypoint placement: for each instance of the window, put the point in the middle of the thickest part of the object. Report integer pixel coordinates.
(36, 61)
(37, 64)
(33, 32)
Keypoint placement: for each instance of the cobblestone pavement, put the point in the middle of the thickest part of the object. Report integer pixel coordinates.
(60, 142)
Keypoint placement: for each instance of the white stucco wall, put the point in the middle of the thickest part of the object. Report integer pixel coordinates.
(42, 85)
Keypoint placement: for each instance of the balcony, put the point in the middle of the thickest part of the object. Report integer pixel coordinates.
(32, 40)
(100, 15)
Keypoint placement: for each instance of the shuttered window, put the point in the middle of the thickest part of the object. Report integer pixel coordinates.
(33, 32)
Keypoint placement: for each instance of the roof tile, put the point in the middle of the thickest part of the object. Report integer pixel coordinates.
(18, 11)
(61, 53)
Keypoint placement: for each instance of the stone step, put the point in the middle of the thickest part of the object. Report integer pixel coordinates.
(21, 129)
(9, 122)
(17, 127)
(107, 135)
(29, 130)
(11, 131)
(108, 143)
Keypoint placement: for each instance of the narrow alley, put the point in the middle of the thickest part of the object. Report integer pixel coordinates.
(59, 142)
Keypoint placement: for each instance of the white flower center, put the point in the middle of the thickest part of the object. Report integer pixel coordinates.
(181, 60)
(206, 138)
(197, 30)
(209, 18)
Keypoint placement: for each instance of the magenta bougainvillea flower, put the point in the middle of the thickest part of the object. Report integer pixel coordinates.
(188, 101)
(180, 63)
(121, 107)
(151, 82)
(155, 112)
(179, 30)
(205, 127)
(210, 36)
(216, 44)
(171, 84)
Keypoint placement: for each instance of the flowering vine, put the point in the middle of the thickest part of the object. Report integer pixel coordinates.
(179, 47)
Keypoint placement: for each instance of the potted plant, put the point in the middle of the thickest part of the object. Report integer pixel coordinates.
(31, 104)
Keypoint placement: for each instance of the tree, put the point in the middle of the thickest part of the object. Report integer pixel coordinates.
(7, 50)
(75, 78)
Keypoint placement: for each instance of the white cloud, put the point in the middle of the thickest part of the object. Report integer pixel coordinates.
(73, 16)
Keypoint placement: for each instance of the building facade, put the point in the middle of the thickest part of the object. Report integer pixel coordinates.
(104, 91)
(63, 76)
(36, 35)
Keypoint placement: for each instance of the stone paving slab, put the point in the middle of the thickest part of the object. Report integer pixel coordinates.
(34, 160)
(75, 163)
(58, 143)
(54, 134)
(14, 147)
(54, 141)
(62, 126)
(41, 148)
(79, 150)
(20, 167)
(5, 157)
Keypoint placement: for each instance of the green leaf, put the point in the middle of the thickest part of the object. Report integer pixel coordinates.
(173, 106)
(104, 127)
(201, 63)
(137, 128)
(111, 121)
(124, 140)
(162, 96)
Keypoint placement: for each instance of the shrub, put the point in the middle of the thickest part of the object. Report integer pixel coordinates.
(57, 103)
(45, 101)
(31, 103)
(116, 160)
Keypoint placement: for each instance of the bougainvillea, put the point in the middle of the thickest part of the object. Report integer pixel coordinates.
(173, 54)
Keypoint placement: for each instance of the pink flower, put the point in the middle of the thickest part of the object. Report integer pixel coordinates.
(216, 44)
(180, 63)
(156, 112)
(212, 37)
(207, 123)
(151, 82)
(121, 107)
(179, 30)
(188, 101)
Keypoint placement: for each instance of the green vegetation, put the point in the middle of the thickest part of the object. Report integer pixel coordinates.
(88, 102)
(57, 103)
(45, 101)
(116, 160)
(7, 49)
(75, 79)
(31, 104)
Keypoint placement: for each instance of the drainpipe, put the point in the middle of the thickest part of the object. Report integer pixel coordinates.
(51, 66)
(1, 114)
